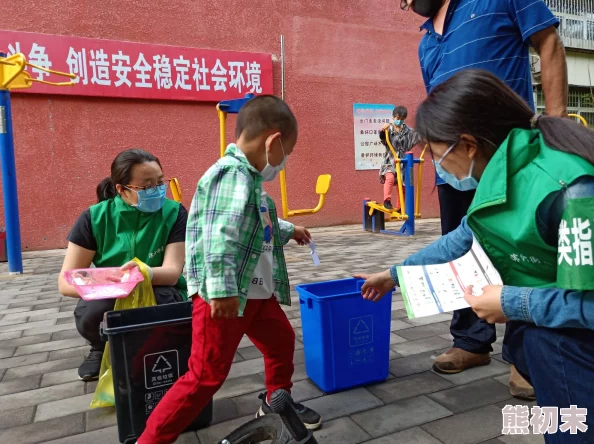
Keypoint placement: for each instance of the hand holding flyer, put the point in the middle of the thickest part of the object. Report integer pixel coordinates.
(432, 289)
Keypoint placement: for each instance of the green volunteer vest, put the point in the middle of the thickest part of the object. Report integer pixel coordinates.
(502, 216)
(123, 233)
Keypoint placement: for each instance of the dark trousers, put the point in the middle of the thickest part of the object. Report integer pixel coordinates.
(470, 333)
(559, 363)
(89, 314)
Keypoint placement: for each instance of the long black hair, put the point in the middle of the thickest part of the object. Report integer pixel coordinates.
(121, 171)
(477, 103)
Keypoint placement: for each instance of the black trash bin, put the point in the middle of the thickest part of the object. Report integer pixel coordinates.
(149, 349)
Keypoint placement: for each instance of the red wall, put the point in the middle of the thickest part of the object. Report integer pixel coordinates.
(337, 53)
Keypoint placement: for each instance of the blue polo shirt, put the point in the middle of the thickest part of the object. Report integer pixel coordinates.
(485, 34)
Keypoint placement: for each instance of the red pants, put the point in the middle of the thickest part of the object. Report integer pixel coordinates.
(214, 343)
(389, 179)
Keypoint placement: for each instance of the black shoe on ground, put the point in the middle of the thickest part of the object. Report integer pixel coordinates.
(89, 369)
(388, 204)
(311, 419)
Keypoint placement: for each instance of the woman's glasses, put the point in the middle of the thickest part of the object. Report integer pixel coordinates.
(151, 189)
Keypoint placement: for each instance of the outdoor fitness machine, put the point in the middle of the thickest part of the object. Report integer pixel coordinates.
(323, 185)
(14, 76)
(374, 214)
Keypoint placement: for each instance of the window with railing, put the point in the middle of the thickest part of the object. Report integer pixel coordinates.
(576, 26)
(580, 101)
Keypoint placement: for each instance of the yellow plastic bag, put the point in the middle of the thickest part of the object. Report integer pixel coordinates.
(141, 296)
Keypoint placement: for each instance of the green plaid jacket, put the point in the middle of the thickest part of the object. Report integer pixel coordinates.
(225, 233)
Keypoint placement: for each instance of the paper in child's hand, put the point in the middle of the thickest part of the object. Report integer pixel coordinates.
(314, 254)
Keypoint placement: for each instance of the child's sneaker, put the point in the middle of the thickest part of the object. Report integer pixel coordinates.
(311, 419)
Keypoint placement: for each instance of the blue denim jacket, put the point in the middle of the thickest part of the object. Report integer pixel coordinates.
(545, 307)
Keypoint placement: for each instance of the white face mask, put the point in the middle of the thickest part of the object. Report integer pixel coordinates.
(270, 172)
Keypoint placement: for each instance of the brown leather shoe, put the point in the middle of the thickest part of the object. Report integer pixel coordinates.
(456, 360)
(519, 387)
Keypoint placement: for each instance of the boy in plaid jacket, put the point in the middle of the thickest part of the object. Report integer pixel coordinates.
(236, 271)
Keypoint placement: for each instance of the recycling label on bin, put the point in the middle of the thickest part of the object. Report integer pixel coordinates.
(161, 369)
(360, 331)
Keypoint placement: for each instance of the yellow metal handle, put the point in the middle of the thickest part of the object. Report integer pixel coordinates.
(584, 122)
(175, 189)
(222, 130)
(398, 169)
(14, 76)
(419, 183)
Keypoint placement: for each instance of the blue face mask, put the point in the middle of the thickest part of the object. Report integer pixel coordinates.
(466, 184)
(398, 122)
(151, 200)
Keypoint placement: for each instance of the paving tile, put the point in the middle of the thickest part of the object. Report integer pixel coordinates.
(63, 407)
(25, 340)
(49, 329)
(91, 386)
(343, 403)
(495, 368)
(20, 361)
(81, 351)
(472, 396)
(217, 432)
(410, 365)
(420, 346)
(40, 396)
(33, 315)
(224, 410)
(66, 334)
(409, 386)
(44, 431)
(245, 342)
(49, 346)
(33, 302)
(445, 317)
(240, 386)
(46, 367)
(100, 418)
(244, 368)
(248, 353)
(397, 325)
(19, 385)
(7, 352)
(9, 311)
(14, 321)
(102, 436)
(18, 417)
(400, 416)
(458, 429)
(415, 435)
(299, 373)
(60, 377)
(424, 331)
(395, 339)
(301, 391)
(341, 431)
(10, 335)
(27, 326)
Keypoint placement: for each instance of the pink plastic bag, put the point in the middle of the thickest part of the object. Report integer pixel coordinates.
(103, 283)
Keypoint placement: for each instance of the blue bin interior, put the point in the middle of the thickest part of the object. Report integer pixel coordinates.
(332, 289)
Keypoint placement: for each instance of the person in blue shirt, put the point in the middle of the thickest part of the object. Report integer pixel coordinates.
(533, 215)
(494, 35)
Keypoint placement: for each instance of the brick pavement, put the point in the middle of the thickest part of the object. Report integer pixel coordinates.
(41, 399)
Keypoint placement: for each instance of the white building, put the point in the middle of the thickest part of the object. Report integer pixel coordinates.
(577, 31)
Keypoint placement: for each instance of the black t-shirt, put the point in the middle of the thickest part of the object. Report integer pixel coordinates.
(82, 231)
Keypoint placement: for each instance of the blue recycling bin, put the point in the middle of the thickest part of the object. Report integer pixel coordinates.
(346, 338)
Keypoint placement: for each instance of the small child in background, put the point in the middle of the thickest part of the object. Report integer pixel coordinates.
(403, 139)
(237, 272)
